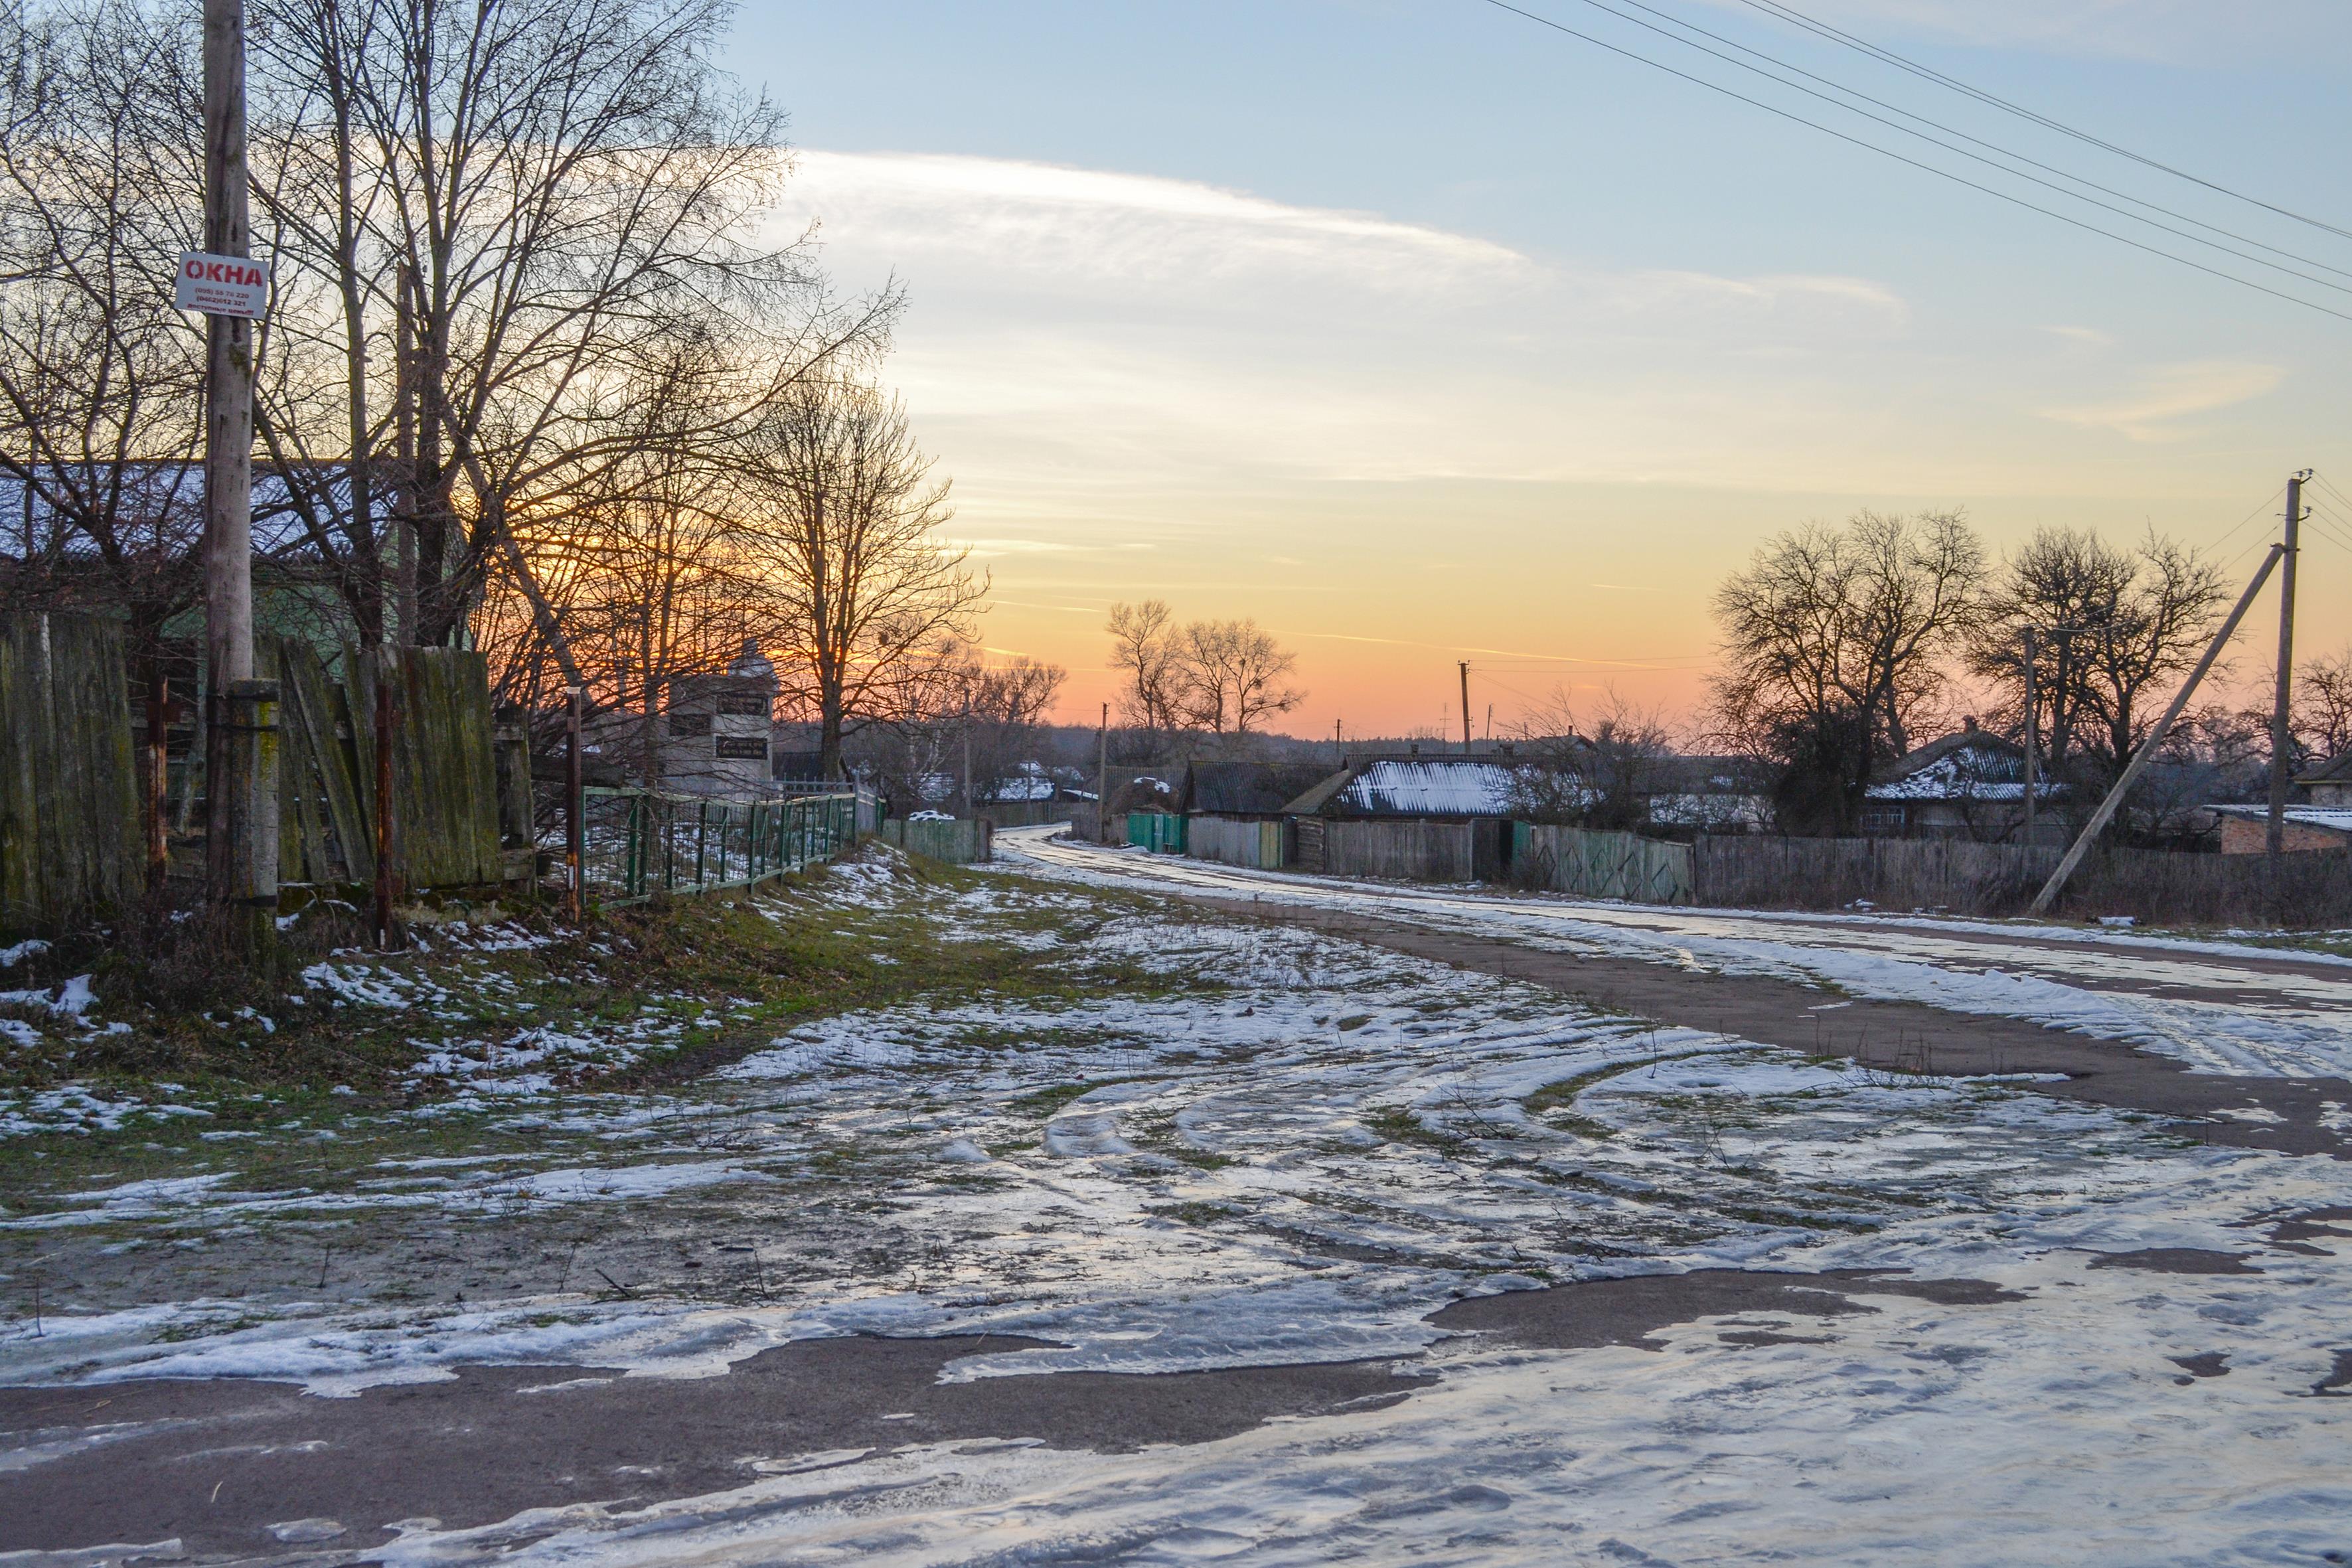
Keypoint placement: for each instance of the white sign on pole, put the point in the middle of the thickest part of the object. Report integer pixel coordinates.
(221, 285)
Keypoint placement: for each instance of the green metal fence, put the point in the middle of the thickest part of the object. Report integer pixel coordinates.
(640, 843)
(1158, 831)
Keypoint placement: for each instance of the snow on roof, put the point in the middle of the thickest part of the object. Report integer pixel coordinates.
(1458, 787)
(2335, 820)
(169, 496)
(1971, 765)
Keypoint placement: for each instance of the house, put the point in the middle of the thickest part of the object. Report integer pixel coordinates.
(1968, 784)
(1705, 794)
(2245, 829)
(2330, 783)
(1237, 813)
(1442, 819)
(715, 730)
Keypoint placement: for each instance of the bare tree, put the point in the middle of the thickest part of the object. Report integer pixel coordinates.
(1603, 778)
(841, 500)
(2323, 705)
(2114, 629)
(1144, 644)
(999, 709)
(1833, 644)
(1232, 676)
(493, 225)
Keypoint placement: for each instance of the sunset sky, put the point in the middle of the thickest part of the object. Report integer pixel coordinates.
(1421, 333)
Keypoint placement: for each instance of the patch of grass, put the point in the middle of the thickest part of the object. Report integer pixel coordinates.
(1401, 1126)
(1195, 1212)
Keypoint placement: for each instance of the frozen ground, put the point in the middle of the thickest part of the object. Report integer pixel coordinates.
(1228, 1144)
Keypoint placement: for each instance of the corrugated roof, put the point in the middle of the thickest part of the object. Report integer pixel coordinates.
(2334, 819)
(1461, 786)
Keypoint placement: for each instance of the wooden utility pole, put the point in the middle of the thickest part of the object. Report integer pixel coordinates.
(2147, 748)
(1102, 779)
(1465, 705)
(241, 773)
(2033, 728)
(2282, 721)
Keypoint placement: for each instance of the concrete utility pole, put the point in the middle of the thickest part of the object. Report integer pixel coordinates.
(1102, 780)
(241, 764)
(2147, 748)
(2282, 723)
(2032, 729)
(1465, 705)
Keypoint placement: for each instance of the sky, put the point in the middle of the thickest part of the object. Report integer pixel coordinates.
(1423, 333)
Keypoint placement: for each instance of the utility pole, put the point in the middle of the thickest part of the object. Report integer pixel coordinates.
(575, 829)
(2282, 723)
(241, 771)
(1102, 780)
(1465, 705)
(2033, 728)
(2147, 748)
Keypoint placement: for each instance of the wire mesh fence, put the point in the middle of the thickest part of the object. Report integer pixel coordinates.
(638, 843)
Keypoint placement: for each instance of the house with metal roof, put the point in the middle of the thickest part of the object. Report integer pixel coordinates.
(1439, 818)
(2246, 829)
(1968, 784)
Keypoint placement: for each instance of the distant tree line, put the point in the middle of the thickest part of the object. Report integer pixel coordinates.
(1845, 647)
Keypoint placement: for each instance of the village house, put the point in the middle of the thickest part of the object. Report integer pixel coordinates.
(1441, 819)
(2245, 829)
(1968, 784)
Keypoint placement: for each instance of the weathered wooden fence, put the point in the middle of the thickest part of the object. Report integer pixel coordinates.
(1260, 845)
(1400, 851)
(2161, 886)
(450, 823)
(963, 841)
(1596, 864)
(69, 841)
(640, 843)
(1761, 872)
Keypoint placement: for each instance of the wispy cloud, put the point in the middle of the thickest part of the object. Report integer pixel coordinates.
(2167, 396)
(2087, 337)
(1115, 227)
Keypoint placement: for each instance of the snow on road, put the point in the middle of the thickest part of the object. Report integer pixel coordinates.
(1307, 1160)
(2218, 1006)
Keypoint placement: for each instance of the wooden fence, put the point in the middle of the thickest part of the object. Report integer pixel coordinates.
(2158, 887)
(963, 841)
(1594, 864)
(446, 809)
(1261, 845)
(1400, 851)
(69, 841)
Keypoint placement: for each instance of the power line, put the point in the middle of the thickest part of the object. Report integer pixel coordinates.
(1929, 73)
(1605, 6)
(2247, 519)
(1916, 164)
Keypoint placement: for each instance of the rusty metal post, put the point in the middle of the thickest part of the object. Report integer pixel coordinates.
(575, 830)
(387, 798)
